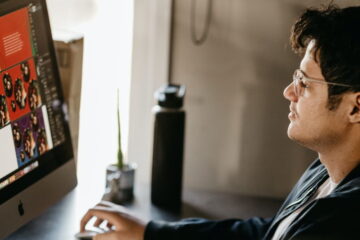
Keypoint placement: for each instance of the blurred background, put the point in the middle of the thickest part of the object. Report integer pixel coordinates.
(236, 125)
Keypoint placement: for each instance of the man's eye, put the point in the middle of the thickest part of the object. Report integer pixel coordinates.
(303, 83)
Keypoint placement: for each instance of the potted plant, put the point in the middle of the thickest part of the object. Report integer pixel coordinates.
(120, 176)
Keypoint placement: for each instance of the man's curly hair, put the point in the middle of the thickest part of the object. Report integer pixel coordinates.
(337, 46)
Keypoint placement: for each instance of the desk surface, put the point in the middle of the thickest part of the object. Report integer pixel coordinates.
(62, 220)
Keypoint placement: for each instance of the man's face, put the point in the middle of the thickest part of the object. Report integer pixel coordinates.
(2, 118)
(8, 85)
(28, 146)
(34, 120)
(22, 156)
(18, 95)
(17, 136)
(312, 124)
(33, 100)
(26, 70)
(42, 147)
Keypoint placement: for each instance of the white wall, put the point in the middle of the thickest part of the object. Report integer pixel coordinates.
(149, 71)
(107, 26)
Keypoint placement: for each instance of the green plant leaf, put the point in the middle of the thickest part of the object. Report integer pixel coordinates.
(120, 157)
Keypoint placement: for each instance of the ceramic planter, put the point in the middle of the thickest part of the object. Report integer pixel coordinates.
(120, 183)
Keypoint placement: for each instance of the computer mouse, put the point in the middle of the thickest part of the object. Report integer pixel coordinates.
(87, 235)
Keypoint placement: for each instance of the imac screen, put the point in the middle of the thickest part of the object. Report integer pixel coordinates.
(34, 135)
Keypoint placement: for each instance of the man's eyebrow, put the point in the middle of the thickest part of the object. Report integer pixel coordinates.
(304, 73)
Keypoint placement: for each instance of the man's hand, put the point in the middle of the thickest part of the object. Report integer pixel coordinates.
(123, 225)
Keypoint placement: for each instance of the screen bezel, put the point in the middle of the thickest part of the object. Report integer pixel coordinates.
(60, 154)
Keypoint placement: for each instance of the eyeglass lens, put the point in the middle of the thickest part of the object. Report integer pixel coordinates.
(297, 77)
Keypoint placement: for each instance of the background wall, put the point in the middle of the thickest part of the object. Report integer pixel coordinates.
(107, 27)
(236, 115)
(149, 71)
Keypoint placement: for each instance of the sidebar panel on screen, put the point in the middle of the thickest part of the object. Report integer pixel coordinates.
(49, 85)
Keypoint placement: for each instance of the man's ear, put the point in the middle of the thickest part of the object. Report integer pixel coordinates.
(355, 114)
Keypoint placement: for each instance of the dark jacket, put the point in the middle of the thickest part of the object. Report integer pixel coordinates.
(333, 217)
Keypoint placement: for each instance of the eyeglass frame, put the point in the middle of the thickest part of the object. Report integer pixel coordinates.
(296, 81)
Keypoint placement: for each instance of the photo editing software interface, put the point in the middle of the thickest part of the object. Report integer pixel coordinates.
(31, 117)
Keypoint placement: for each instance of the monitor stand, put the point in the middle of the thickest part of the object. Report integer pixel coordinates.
(34, 200)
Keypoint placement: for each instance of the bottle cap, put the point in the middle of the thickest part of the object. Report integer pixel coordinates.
(170, 96)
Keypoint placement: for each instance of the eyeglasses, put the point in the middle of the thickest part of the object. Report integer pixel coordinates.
(301, 82)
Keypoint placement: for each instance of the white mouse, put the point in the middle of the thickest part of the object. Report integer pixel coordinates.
(87, 235)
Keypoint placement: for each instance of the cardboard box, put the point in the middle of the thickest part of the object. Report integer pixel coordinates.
(69, 50)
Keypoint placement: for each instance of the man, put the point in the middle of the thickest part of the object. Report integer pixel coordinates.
(20, 93)
(29, 143)
(4, 114)
(34, 95)
(25, 69)
(8, 85)
(325, 117)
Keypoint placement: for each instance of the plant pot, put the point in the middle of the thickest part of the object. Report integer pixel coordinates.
(120, 183)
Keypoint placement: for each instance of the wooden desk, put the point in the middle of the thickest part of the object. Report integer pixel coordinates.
(61, 221)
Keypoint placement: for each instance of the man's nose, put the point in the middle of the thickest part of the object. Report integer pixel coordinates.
(289, 93)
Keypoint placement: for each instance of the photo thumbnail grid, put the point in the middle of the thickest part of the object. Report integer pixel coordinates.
(20, 88)
(24, 123)
(30, 136)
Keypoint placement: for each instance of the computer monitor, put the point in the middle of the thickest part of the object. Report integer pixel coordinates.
(36, 160)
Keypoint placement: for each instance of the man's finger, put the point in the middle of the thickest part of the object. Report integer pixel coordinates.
(85, 219)
(98, 222)
(113, 218)
(109, 226)
(89, 215)
(107, 236)
(113, 206)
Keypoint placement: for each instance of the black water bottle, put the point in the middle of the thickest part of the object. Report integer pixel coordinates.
(167, 166)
